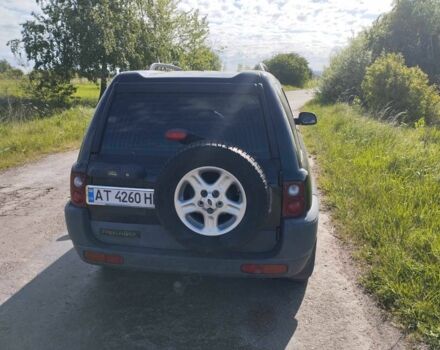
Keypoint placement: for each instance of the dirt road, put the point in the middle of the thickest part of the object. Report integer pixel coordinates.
(49, 299)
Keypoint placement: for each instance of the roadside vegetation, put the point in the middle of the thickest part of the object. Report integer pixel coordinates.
(310, 84)
(392, 69)
(24, 141)
(382, 185)
(24, 135)
(378, 149)
(291, 69)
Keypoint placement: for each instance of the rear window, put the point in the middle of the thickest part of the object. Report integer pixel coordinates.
(137, 122)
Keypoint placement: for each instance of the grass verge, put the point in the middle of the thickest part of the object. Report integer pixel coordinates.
(382, 184)
(291, 88)
(21, 142)
(310, 84)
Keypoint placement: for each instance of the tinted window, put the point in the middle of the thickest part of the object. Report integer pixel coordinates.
(138, 122)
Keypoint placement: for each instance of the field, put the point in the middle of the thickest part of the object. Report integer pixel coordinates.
(86, 91)
(382, 184)
(23, 140)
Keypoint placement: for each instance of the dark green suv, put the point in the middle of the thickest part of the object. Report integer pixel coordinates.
(195, 172)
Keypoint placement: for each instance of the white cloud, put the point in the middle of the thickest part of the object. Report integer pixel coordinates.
(13, 13)
(248, 31)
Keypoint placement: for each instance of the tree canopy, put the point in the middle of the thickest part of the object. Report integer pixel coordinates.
(95, 38)
(289, 68)
(342, 80)
(412, 28)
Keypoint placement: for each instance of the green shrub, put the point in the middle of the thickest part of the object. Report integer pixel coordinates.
(404, 93)
(48, 91)
(290, 69)
(342, 80)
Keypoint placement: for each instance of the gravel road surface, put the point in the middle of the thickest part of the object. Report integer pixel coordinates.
(49, 299)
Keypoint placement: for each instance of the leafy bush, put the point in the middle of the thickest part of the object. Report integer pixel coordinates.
(342, 80)
(403, 92)
(38, 94)
(48, 91)
(290, 69)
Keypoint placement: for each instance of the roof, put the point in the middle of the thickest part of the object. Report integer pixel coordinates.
(247, 77)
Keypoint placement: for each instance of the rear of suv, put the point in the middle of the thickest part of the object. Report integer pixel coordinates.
(201, 172)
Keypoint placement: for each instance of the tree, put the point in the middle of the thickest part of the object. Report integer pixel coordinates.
(289, 68)
(412, 28)
(202, 58)
(342, 80)
(95, 38)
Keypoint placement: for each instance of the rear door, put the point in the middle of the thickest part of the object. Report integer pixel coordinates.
(131, 147)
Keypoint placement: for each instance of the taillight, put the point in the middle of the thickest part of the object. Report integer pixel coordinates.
(78, 188)
(294, 199)
(176, 135)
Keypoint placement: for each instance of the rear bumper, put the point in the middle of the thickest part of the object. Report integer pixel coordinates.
(298, 238)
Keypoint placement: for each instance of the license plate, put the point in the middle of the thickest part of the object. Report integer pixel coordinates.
(121, 197)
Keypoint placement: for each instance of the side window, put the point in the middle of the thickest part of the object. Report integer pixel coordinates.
(289, 114)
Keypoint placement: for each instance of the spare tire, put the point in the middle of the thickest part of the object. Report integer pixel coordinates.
(212, 197)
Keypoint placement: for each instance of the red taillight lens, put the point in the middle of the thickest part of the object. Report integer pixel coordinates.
(294, 199)
(101, 258)
(265, 269)
(78, 188)
(176, 135)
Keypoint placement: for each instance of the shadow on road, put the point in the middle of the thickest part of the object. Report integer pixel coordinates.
(72, 305)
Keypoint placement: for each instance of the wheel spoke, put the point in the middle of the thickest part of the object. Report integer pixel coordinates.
(210, 223)
(197, 182)
(188, 207)
(232, 208)
(223, 182)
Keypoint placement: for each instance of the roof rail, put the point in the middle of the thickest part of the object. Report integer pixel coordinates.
(262, 66)
(166, 67)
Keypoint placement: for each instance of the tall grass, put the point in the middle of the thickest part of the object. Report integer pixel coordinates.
(24, 141)
(382, 184)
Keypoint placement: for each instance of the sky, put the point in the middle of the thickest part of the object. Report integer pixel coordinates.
(247, 32)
